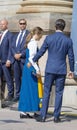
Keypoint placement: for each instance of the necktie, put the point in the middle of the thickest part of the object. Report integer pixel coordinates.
(20, 39)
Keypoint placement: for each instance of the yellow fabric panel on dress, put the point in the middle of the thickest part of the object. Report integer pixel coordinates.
(40, 91)
(40, 87)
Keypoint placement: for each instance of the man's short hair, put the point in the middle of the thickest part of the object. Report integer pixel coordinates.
(60, 24)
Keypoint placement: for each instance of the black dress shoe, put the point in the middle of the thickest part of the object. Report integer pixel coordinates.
(40, 119)
(35, 115)
(57, 120)
(8, 98)
(4, 105)
(16, 99)
(29, 116)
(25, 116)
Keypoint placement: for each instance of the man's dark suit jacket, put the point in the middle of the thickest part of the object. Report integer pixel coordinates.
(5, 48)
(22, 49)
(59, 46)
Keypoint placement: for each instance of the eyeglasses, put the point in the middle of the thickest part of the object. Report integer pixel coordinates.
(22, 23)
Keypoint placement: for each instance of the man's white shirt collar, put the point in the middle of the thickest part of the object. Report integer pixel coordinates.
(24, 31)
(3, 34)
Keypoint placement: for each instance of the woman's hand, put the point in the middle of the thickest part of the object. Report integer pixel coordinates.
(29, 64)
(38, 74)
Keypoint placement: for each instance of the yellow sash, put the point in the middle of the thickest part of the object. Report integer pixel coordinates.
(40, 91)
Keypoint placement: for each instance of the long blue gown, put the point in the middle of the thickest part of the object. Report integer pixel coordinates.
(29, 100)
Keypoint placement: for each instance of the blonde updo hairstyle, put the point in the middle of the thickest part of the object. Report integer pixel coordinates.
(36, 30)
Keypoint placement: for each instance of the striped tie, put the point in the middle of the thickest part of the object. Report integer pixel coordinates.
(20, 39)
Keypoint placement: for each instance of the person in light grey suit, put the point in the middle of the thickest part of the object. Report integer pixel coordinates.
(58, 46)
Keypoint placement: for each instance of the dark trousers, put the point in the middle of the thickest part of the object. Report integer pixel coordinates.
(2, 87)
(59, 83)
(18, 66)
(9, 79)
(2, 83)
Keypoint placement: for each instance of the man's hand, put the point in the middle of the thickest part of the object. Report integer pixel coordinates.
(71, 75)
(8, 63)
(17, 56)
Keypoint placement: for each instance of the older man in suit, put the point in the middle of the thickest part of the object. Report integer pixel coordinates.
(58, 46)
(5, 56)
(19, 55)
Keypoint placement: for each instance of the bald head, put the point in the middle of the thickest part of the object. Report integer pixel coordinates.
(3, 24)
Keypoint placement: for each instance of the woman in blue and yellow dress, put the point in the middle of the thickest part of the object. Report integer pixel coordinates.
(29, 100)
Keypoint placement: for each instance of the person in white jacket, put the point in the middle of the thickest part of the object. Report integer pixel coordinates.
(29, 99)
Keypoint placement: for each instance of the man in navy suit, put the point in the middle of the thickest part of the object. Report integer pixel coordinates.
(19, 55)
(5, 56)
(58, 46)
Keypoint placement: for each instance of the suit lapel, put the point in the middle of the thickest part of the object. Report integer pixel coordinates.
(4, 37)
